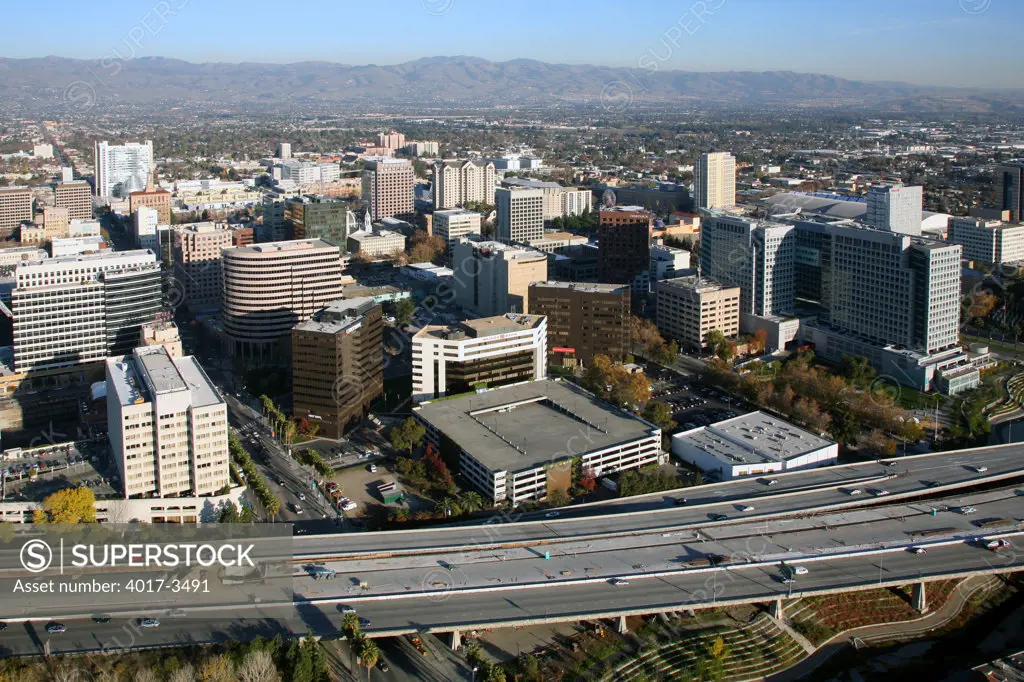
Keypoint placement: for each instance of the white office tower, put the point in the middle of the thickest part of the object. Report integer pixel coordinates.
(284, 150)
(122, 169)
(458, 182)
(714, 181)
(520, 214)
(895, 208)
(146, 220)
(80, 309)
(168, 425)
(756, 256)
(66, 174)
(991, 241)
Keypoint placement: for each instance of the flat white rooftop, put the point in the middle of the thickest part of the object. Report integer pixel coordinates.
(754, 438)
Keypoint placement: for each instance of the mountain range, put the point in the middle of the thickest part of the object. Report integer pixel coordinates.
(460, 81)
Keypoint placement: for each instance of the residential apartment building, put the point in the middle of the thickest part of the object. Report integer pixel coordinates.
(991, 241)
(167, 425)
(1010, 188)
(80, 309)
(376, 244)
(494, 278)
(559, 201)
(197, 263)
(520, 215)
(895, 208)
(422, 148)
(122, 169)
(393, 141)
(489, 351)
(714, 181)
(338, 364)
(269, 288)
(453, 224)
(315, 217)
(15, 208)
(756, 256)
(76, 197)
(583, 320)
(689, 307)
(624, 247)
(457, 182)
(388, 188)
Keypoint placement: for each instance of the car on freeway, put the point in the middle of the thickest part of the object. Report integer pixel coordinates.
(798, 570)
(769, 482)
(149, 623)
(967, 510)
(980, 470)
(301, 496)
(346, 609)
(3, 626)
(56, 628)
(996, 544)
(101, 619)
(619, 582)
(852, 492)
(383, 665)
(297, 509)
(918, 550)
(747, 508)
(680, 501)
(552, 514)
(364, 622)
(177, 613)
(717, 517)
(878, 492)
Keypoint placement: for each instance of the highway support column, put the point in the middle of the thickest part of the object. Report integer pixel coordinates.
(623, 628)
(456, 640)
(920, 598)
(777, 610)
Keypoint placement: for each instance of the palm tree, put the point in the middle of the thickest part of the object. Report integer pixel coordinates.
(471, 501)
(450, 507)
(368, 655)
(350, 625)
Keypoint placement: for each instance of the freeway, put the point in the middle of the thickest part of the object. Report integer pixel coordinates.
(793, 494)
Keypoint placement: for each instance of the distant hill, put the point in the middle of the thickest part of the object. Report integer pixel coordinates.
(463, 81)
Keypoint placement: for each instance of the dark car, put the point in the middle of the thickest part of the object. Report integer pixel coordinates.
(680, 501)
(56, 628)
(3, 626)
(383, 665)
(718, 517)
(101, 619)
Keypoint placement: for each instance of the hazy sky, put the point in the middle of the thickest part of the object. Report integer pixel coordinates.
(940, 42)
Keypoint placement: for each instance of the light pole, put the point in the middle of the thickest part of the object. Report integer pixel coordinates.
(474, 673)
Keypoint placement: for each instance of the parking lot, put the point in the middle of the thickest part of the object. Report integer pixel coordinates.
(36, 473)
(694, 405)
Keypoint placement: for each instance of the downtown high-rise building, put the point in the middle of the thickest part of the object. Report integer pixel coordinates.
(520, 215)
(388, 186)
(122, 169)
(458, 182)
(1010, 188)
(15, 209)
(714, 181)
(197, 263)
(76, 197)
(319, 217)
(756, 256)
(493, 278)
(624, 247)
(584, 320)
(895, 208)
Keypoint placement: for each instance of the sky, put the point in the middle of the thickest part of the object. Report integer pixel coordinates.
(929, 42)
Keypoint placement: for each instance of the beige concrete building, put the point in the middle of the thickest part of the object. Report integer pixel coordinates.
(197, 263)
(492, 278)
(168, 425)
(376, 244)
(714, 181)
(393, 140)
(164, 333)
(991, 241)
(388, 188)
(56, 220)
(15, 208)
(520, 214)
(689, 308)
(559, 201)
(76, 197)
(457, 182)
(155, 198)
(269, 288)
(29, 233)
(452, 225)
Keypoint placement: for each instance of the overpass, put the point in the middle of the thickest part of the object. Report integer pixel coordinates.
(673, 558)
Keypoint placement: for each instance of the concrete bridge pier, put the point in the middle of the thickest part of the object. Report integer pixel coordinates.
(456, 640)
(920, 598)
(777, 610)
(623, 628)
(664, 618)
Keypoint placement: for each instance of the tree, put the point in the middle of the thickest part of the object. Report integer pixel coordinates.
(404, 310)
(217, 669)
(718, 344)
(660, 415)
(258, 666)
(471, 501)
(350, 625)
(407, 435)
(70, 505)
(186, 673)
(759, 342)
(857, 369)
(368, 655)
(588, 482)
(426, 248)
(529, 665)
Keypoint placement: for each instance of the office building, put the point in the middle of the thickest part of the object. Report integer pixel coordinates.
(1010, 188)
(146, 222)
(76, 197)
(284, 150)
(198, 249)
(511, 441)
(270, 288)
(668, 262)
(895, 208)
(61, 247)
(453, 224)
(15, 209)
(153, 197)
(388, 188)
(304, 175)
(338, 364)
(56, 221)
(520, 215)
(485, 352)
(84, 228)
(122, 169)
(458, 182)
(162, 333)
(393, 141)
(494, 278)
(556, 242)
(81, 309)
(752, 445)
(559, 201)
(688, 308)
(168, 425)
(756, 256)
(991, 241)
(624, 247)
(317, 217)
(714, 181)
(583, 320)
(274, 227)
(376, 244)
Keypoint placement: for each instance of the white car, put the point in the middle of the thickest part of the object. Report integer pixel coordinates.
(798, 570)
(967, 510)
(346, 609)
(149, 623)
(854, 491)
(980, 470)
(349, 506)
(879, 492)
(746, 508)
(918, 550)
(619, 582)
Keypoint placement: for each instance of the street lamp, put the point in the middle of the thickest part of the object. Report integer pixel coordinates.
(474, 673)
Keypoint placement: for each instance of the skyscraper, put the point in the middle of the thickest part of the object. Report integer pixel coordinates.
(895, 208)
(1010, 188)
(15, 208)
(76, 197)
(520, 215)
(388, 188)
(624, 247)
(122, 169)
(714, 180)
(494, 278)
(458, 182)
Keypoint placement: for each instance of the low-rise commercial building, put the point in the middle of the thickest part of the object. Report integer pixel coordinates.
(376, 244)
(489, 352)
(689, 307)
(583, 320)
(991, 241)
(522, 442)
(453, 224)
(751, 445)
